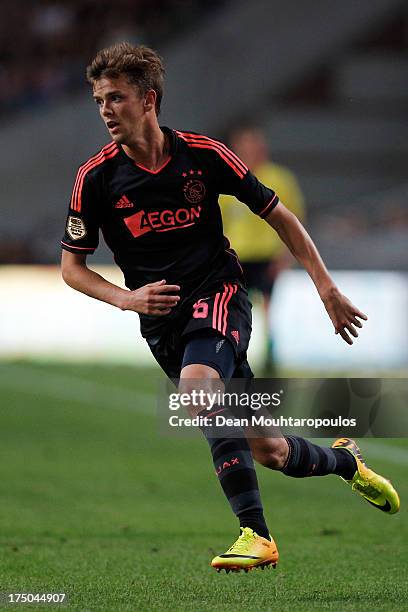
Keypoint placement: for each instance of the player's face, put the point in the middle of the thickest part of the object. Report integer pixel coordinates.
(121, 107)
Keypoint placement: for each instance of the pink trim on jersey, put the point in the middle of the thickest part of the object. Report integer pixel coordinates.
(84, 168)
(107, 152)
(203, 142)
(199, 137)
(267, 206)
(154, 171)
(71, 246)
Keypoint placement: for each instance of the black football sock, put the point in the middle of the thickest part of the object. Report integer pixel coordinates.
(346, 464)
(307, 459)
(235, 469)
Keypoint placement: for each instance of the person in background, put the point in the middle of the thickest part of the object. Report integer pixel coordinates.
(265, 257)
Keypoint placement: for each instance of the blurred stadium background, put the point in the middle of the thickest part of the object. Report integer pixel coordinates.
(328, 84)
(328, 87)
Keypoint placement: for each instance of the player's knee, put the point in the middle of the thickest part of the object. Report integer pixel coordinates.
(199, 383)
(271, 453)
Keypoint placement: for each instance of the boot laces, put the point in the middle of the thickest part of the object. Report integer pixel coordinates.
(242, 542)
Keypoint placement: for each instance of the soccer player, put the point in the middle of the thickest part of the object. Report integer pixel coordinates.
(153, 192)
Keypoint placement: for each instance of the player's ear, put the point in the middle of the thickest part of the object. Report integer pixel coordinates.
(150, 100)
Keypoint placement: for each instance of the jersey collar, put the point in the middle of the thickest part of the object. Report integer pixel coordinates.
(173, 145)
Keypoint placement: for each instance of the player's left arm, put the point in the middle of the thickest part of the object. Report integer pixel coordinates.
(343, 314)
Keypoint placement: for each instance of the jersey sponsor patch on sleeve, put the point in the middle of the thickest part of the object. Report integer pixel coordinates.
(75, 228)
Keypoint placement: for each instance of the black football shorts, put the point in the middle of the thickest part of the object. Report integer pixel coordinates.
(214, 330)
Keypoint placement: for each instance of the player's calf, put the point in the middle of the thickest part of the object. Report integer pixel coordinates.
(299, 458)
(270, 452)
(308, 459)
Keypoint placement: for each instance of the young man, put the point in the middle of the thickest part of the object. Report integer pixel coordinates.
(154, 194)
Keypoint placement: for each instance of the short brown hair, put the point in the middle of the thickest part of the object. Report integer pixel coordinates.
(142, 66)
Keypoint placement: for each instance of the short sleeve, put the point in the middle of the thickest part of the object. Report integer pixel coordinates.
(82, 224)
(237, 180)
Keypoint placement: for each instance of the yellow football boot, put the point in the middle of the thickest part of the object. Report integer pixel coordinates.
(249, 551)
(375, 489)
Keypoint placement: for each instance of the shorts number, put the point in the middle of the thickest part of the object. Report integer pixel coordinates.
(200, 310)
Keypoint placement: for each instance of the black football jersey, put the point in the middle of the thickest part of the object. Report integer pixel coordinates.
(164, 224)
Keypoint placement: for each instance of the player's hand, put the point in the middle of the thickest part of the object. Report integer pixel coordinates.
(344, 315)
(153, 299)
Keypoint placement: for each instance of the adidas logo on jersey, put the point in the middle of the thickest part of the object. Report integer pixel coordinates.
(124, 203)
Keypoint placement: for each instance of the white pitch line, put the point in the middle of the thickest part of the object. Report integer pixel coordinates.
(24, 379)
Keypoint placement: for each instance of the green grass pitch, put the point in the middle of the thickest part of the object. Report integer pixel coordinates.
(96, 504)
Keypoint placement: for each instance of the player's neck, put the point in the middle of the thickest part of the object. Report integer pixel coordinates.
(149, 149)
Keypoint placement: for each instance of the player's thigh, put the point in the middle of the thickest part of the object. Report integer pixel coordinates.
(209, 360)
(207, 347)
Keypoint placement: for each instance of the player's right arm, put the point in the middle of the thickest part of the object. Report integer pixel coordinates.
(151, 299)
(81, 239)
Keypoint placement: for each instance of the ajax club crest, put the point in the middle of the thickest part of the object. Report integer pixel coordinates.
(194, 191)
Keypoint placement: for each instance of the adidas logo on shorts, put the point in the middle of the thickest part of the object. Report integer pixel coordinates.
(218, 346)
(235, 335)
